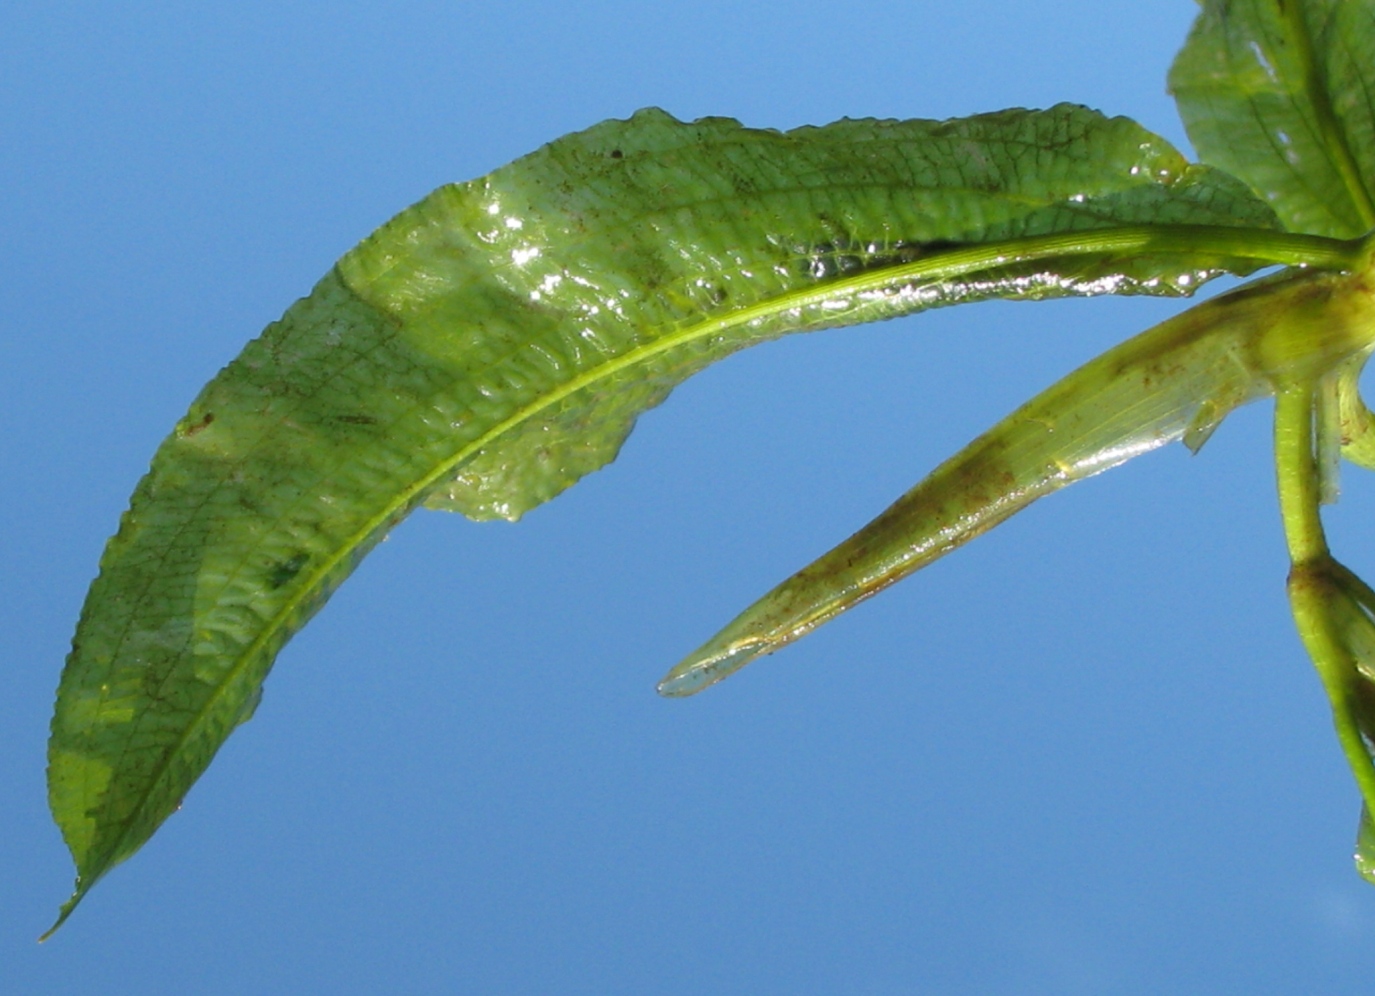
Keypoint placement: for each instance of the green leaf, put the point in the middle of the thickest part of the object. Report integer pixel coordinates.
(495, 342)
(1176, 381)
(1279, 93)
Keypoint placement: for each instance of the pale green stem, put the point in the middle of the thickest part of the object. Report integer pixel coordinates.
(1328, 429)
(1315, 579)
(1300, 483)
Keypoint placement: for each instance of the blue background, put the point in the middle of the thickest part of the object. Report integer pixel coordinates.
(1084, 755)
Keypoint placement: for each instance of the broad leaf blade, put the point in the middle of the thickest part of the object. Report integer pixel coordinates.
(711, 219)
(1278, 93)
(496, 341)
(1175, 381)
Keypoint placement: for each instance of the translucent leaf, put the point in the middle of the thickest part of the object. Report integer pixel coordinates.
(1176, 381)
(495, 342)
(1278, 93)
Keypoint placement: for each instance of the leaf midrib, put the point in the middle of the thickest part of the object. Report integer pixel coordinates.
(1262, 245)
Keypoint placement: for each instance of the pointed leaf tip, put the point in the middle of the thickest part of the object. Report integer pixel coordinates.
(66, 911)
(707, 666)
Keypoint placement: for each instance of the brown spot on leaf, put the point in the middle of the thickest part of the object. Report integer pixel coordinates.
(188, 431)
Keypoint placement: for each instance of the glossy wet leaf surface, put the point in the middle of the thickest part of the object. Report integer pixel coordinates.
(497, 341)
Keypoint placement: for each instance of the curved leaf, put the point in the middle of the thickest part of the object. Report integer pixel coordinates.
(496, 341)
(1175, 381)
(1279, 93)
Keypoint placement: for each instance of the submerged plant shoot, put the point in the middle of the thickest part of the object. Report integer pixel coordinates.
(494, 343)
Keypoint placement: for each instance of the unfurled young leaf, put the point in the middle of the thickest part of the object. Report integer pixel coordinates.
(496, 342)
